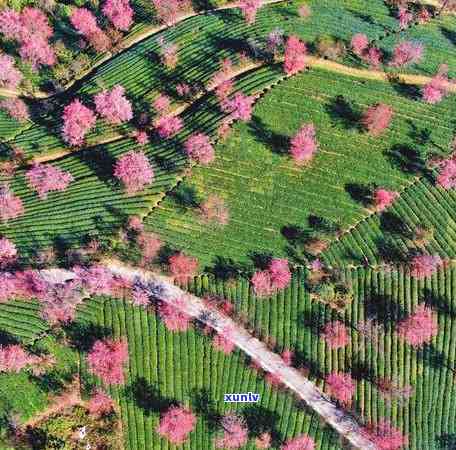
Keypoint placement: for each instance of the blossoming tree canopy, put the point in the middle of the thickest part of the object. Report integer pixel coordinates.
(78, 120)
(134, 170)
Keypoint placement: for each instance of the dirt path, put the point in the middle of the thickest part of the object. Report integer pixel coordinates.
(164, 290)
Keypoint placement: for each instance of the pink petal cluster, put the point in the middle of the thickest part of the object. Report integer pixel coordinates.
(239, 106)
(119, 12)
(406, 53)
(45, 178)
(168, 11)
(423, 266)
(141, 137)
(336, 335)
(13, 358)
(8, 287)
(8, 251)
(168, 126)
(420, 327)
(10, 205)
(235, 432)
(359, 43)
(199, 148)
(341, 386)
(304, 144)
(169, 54)
(95, 280)
(11, 24)
(249, 9)
(385, 436)
(134, 170)
(295, 56)
(361, 47)
(113, 106)
(37, 52)
(223, 341)
(405, 17)
(15, 108)
(106, 360)
(377, 118)
(277, 276)
(383, 198)
(150, 245)
(78, 120)
(162, 103)
(100, 404)
(182, 267)
(215, 210)
(86, 23)
(434, 91)
(176, 424)
(10, 76)
(302, 442)
(173, 318)
(447, 176)
(140, 295)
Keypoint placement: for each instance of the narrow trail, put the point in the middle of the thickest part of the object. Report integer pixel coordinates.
(162, 288)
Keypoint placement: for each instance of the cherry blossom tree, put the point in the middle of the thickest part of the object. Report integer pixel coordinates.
(383, 198)
(304, 11)
(176, 424)
(385, 436)
(341, 386)
(10, 76)
(423, 266)
(45, 178)
(11, 24)
(304, 144)
(263, 441)
(168, 126)
(106, 360)
(169, 53)
(377, 118)
(434, 91)
(235, 432)
(37, 51)
(359, 44)
(406, 53)
(162, 104)
(182, 267)
(140, 295)
(223, 341)
(199, 148)
(336, 335)
(302, 442)
(261, 282)
(95, 280)
(100, 404)
(447, 176)
(133, 169)
(113, 106)
(16, 109)
(277, 276)
(119, 12)
(86, 23)
(295, 56)
(8, 252)
(150, 244)
(13, 358)
(78, 120)
(214, 210)
(10, 205)
(391, 390)
(168, 11)
(249, 9)
(8, 287)
(173, 318)
(35, 23)
(420, 327)
(239, 106)
(405, 17)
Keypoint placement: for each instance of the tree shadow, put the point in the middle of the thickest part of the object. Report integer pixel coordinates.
(303, 360)
(360, 370)
(278, 143)
(449, 34)
(421, 136)
(227, 268)
(148, 397)
(100, 162)
(7, 338)
(438, 302)
(434, 357)
(82, 335)
(204, 406)
(260, 260)
(447, 441)
(165, 252)
(261, 420)
(342, 112)
(407, 158)
(392, 223)
(186, 196)
(382, 309)
(389, 251)
(409, 91)
(360, 193)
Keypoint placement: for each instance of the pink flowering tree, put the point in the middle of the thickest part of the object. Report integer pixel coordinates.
(173, 318)
(168, 11)
(10, 76)
(86, 23)
(239, 106)
(406, 53)
(119, 13)
(302, 442)
(304, 144)
(383, 198)
(16, 109)
(385, 436)
(336, 335)
(214, 210)
(341, 386)
(199, 148)
(420, 327)
(182, 267)
(295, 56)
(140, 295)
(161, 104)
(176, 424)
(359, 44)
(377, 118)
(223, 341)
(249, 9)
(100, 404)
(169, 53)
(13, 358)
(423, 266)
(11, 24)
(106, 360)
(10, 205)
(78, 120)
(168, 126)
(149, 244)
(434, 91)
(113, 106)
(235, 432)
(8, 252)
(133, 169)
(45, 178)
(405, 17)
(276, 277)
(447, 176)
